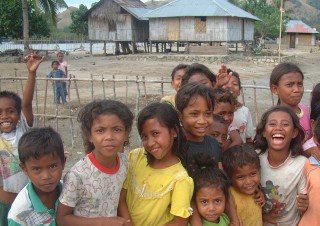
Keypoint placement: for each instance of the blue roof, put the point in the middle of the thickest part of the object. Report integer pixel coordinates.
(297, 26)
(138, 12)
(185, 8)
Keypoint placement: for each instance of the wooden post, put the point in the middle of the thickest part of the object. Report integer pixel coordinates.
(150, 46)
(91, 76)
(145, 89)
(103, 88)
(37, 105)
(138, 95)
(77, 90)
(133, 50)
(255, 102)
(157, 47)
(104, 48)
(177, 47)
(15, 75)
(45, 104)
(188, 51)
(91, 47)
(145, 47)
(126, 89)
(114, 86)
(162, 92)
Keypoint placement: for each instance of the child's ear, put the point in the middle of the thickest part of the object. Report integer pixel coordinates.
(274, 89)
(23, 167)
(295, 133)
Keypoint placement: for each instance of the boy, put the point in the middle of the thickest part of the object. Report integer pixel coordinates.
(63, 66)
(41, 155)
(242, 165)
(57, 85)
(219, 130)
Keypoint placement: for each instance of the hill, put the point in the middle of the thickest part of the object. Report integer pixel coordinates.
(64, 18)
(305, 10)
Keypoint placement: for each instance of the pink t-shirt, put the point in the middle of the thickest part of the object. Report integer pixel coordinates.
(304, 119)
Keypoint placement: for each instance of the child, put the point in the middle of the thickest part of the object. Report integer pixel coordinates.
(92, 187)
(242, 165)
(16, 118)
(210, 190)
(57, 84)
(242, 116)
(286, 81)
(194, 103)
(279, 142)
(219, 130)
(199, 73)
(42, 159)
(63, 65)
(158, 189)
(312, 172)
(224, 106)
(176, 77)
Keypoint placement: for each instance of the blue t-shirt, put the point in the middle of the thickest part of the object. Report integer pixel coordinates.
(56, 74)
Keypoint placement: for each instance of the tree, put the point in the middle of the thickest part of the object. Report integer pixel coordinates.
(78, 26)
(50, 9)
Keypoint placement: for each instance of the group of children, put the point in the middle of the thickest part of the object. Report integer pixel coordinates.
(200, 163)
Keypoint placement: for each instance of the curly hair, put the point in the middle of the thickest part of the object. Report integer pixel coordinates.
(196, 68)
(260, 142)
(94, 109)
(224, 96)
(177, 68)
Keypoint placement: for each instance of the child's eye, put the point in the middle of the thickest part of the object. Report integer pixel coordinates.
(239, 177)
(253, 174)
(52, 166)
(209, 113)
(218, 201)
(204, 202)
(35, 169)
(155, 133)
(117, 129)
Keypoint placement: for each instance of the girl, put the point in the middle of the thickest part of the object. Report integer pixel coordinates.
(210, 190)
(286, 81)
(63, 65)
(279, 142)
(92, 187)
(158, 189)
(16, 117)
(242, 116)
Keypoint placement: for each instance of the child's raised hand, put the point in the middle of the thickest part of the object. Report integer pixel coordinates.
(303, 202)
(33, 61)
(223, 77)
(259, 197)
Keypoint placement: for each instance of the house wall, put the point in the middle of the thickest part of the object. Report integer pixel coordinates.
(300, 39)
(213, 29)
(140, 30)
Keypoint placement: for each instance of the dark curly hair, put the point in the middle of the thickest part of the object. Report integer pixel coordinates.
(260, 141)
(177, 68)
(168, 117)
(224, 96)
(94, 109)
(14, 97)
(205, 173)
(196, 68)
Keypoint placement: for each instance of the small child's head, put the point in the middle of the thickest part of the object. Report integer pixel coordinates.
(315, 95)
(199, 73)
(60, 56)
(55, 65)
(224, 104)
(279, 130)
(177, 75)
(286, 81)
(242, 165)
(210, 187)
(234, 83)
(314, 113)
(105, 124)
(42, 159)
(160, 131)
(316, 133)
(195, 103)
(219, 130)
(10, 110)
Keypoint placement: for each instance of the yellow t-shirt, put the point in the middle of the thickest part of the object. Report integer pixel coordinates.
(248, 211)
(169, 99)
(155, 196)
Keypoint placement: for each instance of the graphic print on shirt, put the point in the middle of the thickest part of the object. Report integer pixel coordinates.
(274, 198)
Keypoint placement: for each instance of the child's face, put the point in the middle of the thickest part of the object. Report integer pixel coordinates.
(201, 78)
(158, 140)
(289, 89)
(60, 57)
(219, 131)
(211, 203)
(196, 118)
(177, 79)
(9, 116)
(246, 179)
(45, 172)
(234, 86)
(55, 66)
(224, 109)
(108, 134)
(279, 131)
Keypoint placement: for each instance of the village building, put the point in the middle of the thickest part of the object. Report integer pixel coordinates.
(210, 24)
(299, 34)
(118, 21)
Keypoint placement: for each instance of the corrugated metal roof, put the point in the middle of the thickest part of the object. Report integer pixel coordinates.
(297, 26)
(183, 8)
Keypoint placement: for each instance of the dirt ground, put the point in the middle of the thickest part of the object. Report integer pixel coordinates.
(86, 66)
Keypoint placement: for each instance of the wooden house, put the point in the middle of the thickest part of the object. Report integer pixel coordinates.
(299, 34)
(201, 21)
(119, 21)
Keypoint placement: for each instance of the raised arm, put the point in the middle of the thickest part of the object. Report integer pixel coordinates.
(32, 61)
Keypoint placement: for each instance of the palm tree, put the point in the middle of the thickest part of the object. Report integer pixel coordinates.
(49, 7)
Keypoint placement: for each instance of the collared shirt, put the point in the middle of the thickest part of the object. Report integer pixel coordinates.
(28, 209)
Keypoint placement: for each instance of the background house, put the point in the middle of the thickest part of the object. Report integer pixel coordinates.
(119, 21)
(299, 34)
(201, 21)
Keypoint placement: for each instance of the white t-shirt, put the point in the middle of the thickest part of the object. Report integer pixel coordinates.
(12, 179)
(281, 186)
(93, 190)
(243, 120)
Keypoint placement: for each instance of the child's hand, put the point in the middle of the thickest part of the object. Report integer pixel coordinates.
(33, 61)
(116, 221)
(223, 77)
(271, 217)
(303, 202)
(259, 197)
